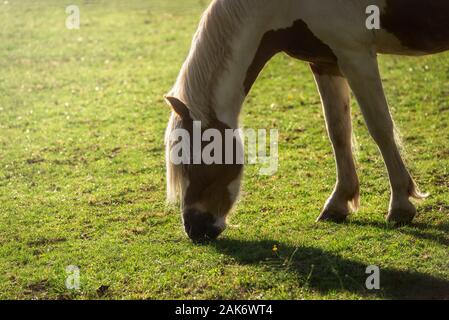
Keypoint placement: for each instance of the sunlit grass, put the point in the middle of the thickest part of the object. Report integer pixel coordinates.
(82, 170)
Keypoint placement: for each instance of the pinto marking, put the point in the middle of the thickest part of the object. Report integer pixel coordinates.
(308, 48)
(234, 41)
(421, 26)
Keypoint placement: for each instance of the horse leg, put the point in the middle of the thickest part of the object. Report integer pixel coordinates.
(335, 97)
(362, 71)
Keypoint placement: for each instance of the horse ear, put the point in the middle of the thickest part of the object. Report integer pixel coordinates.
(178, 106)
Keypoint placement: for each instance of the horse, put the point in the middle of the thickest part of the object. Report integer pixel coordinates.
(237, 38)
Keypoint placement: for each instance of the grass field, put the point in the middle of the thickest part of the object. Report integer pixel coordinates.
(82, 170)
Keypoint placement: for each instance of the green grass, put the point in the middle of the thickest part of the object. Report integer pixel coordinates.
(82, 170)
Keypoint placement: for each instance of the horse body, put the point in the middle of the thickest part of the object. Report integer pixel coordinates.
(235, 40)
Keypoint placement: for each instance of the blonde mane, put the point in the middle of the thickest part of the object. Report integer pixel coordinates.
(174, 172)
(211, 48)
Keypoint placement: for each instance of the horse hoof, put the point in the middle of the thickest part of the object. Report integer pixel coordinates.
(400, 217)
(332, 216)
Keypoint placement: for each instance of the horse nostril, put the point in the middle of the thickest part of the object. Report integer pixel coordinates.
(200, 226)
(213, 233)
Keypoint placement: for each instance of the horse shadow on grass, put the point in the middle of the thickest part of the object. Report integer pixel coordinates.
(438, 234)
(327, 272)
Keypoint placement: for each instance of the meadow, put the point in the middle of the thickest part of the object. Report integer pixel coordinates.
(82, 173)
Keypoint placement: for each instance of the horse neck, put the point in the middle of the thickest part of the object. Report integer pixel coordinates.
(226, 82)
(231, 89)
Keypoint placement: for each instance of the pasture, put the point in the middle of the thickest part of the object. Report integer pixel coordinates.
(82, 121)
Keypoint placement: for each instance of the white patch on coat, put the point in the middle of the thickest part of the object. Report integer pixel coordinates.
(234, 188)
(220, 223)
(230, 92)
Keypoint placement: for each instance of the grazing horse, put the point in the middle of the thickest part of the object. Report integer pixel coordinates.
(236, 38)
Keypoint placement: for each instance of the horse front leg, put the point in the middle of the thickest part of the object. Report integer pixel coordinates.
(335, 97)
(362, 71)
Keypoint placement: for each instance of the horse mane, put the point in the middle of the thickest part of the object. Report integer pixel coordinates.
(211, 48)
(174, 172)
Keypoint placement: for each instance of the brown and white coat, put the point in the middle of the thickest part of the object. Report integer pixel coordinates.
(236, 38)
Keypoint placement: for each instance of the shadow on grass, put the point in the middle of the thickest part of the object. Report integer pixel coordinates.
(325, 272)
(436, 233)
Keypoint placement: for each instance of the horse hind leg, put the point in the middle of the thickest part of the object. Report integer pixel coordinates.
(335, 97)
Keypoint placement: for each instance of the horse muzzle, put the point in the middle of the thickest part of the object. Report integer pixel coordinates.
(201, 226)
